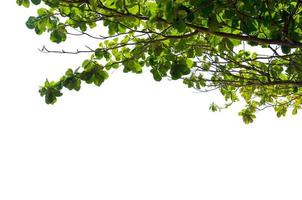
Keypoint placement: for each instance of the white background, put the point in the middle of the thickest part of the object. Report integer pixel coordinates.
(132, 138)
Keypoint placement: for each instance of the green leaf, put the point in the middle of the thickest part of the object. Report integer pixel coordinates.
(214, 108)
(156, 75)
(19, 2)
(169, 11)
(180, 25)
(26, 3)
(57, 36)
(72, 83)
(294, 111)
(247, 115)
(179, 69)
(100, 77)
(36, 2)
(285, 49)
(50, 92)
(42, 11)
(99, 53)
(213, 24)
(190, 17)
(31, 22)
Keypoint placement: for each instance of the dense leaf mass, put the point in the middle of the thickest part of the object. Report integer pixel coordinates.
(202, 42)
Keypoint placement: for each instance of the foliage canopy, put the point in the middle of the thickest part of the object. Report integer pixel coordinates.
(202, 42)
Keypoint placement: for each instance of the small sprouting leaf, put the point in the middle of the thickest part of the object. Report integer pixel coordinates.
(214, 107)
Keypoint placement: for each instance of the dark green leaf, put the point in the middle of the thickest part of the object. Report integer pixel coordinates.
(36, 2)
(31, 22)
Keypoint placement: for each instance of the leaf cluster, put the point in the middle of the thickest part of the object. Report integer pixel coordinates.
(203, 43)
